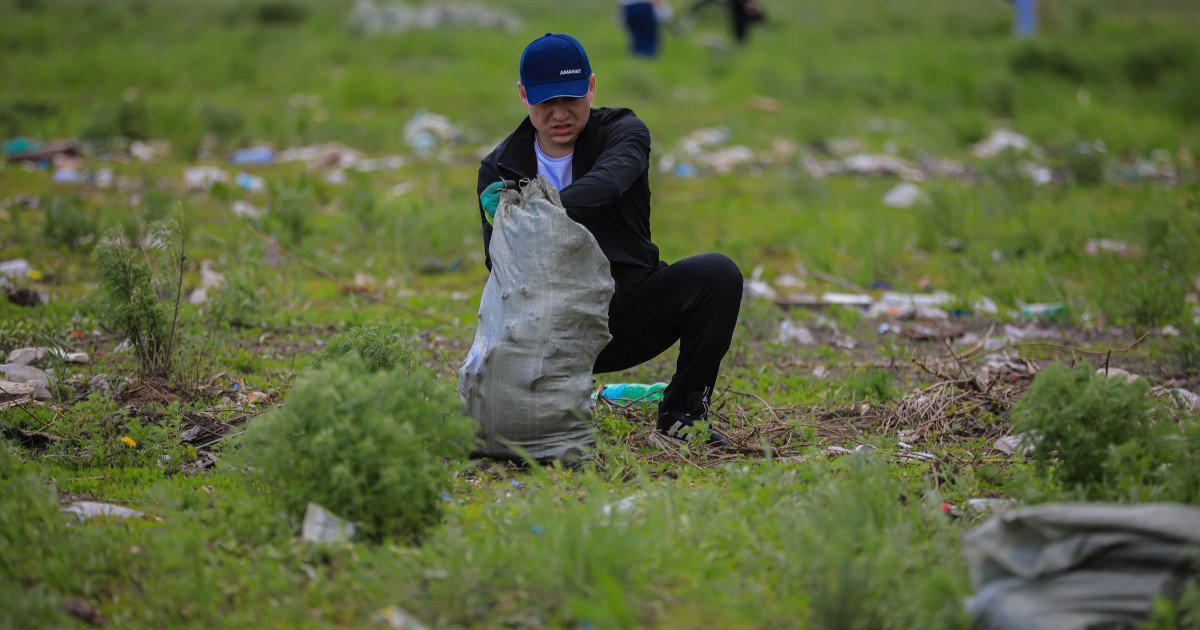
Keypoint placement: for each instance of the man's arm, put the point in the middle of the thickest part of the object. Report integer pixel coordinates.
(624, 158)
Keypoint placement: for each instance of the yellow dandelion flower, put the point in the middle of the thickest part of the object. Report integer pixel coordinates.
(129, 441)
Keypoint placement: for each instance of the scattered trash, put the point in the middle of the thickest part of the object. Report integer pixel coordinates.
(998, 142)
(150, 151)
(425, 131)
(902, 195)
(198, 297)
(1079, 565)
(245, 210)
(1095, 246)
(637, 394)
(253, 156)
(624, 506)
(335, 177)
(85, 510)
(250, 183)
(1183, 398)
(911, 305)
(69, 175)
(880, 165)
(756, 287)
(321, 525)
(1112, 372)
(1168, 331)
(398, 618)
(198, 178)
(792, 333)
(1056, 312)
(371, 18)
(1017, 444)
(984, 506)
(330, 155)
(210, 278)
(52, 152)
(20, 145)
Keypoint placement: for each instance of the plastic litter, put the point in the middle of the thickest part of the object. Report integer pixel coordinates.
(1019, 443)
(250, 183)
(877, 164)
(1066, 566)
(756, 287)
(198, 178)
(912, 305)
(85, 510)
(253, 156)
(637, 394)
(1113, 372)
(1056, 312)
(793, 333)
(426, 131)
(321, 525)
(20, 145)
(902, 195)
(543, 320)
(69, 176)
(399, 619)
(998, 142)
(245, 210)
(371, 18)
(18, 269)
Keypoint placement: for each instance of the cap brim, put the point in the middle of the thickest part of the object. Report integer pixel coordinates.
(577, 88)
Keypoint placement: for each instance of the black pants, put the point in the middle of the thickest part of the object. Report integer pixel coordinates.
(695, 302)
(642, 22)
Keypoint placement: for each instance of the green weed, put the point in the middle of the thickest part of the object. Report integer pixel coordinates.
(135, 293)
(368, 445)
(1098, 438)
(383, 346)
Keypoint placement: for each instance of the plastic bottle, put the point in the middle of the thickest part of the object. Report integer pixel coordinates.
(1056, 312)
(634, 393)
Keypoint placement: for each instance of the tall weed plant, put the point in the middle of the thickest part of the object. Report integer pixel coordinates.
(368, 445)
(1103, 439)
(139, 293)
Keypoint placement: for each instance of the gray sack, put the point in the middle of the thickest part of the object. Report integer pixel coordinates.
(543, 320)
(1062, 566)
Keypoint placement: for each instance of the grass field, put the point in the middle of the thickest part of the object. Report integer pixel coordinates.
(382, 254)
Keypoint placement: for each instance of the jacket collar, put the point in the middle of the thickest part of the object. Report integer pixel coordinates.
(518, 161)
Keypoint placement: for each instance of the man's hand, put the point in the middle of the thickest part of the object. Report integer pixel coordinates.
(490, 199)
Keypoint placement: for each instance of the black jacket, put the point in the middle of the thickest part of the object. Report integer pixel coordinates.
(610, 189)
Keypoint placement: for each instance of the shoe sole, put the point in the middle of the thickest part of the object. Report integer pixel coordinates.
(716, 440)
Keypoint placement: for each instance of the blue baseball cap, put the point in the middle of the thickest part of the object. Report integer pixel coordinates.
(552, 66)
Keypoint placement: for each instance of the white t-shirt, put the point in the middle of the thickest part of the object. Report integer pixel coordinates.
(557, 170)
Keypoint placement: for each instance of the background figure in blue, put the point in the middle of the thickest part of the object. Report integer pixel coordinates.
(642, 19)
(1025, 17)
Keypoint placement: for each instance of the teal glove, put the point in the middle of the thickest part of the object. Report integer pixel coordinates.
(490, 199)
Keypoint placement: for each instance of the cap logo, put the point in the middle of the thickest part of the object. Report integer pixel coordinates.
(575, 71)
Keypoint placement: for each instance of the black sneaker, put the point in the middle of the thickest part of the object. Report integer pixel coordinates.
(676, 428)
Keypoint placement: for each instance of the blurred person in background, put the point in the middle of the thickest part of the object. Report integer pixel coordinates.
(599, 158)
(742, 13)
(643, 19)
